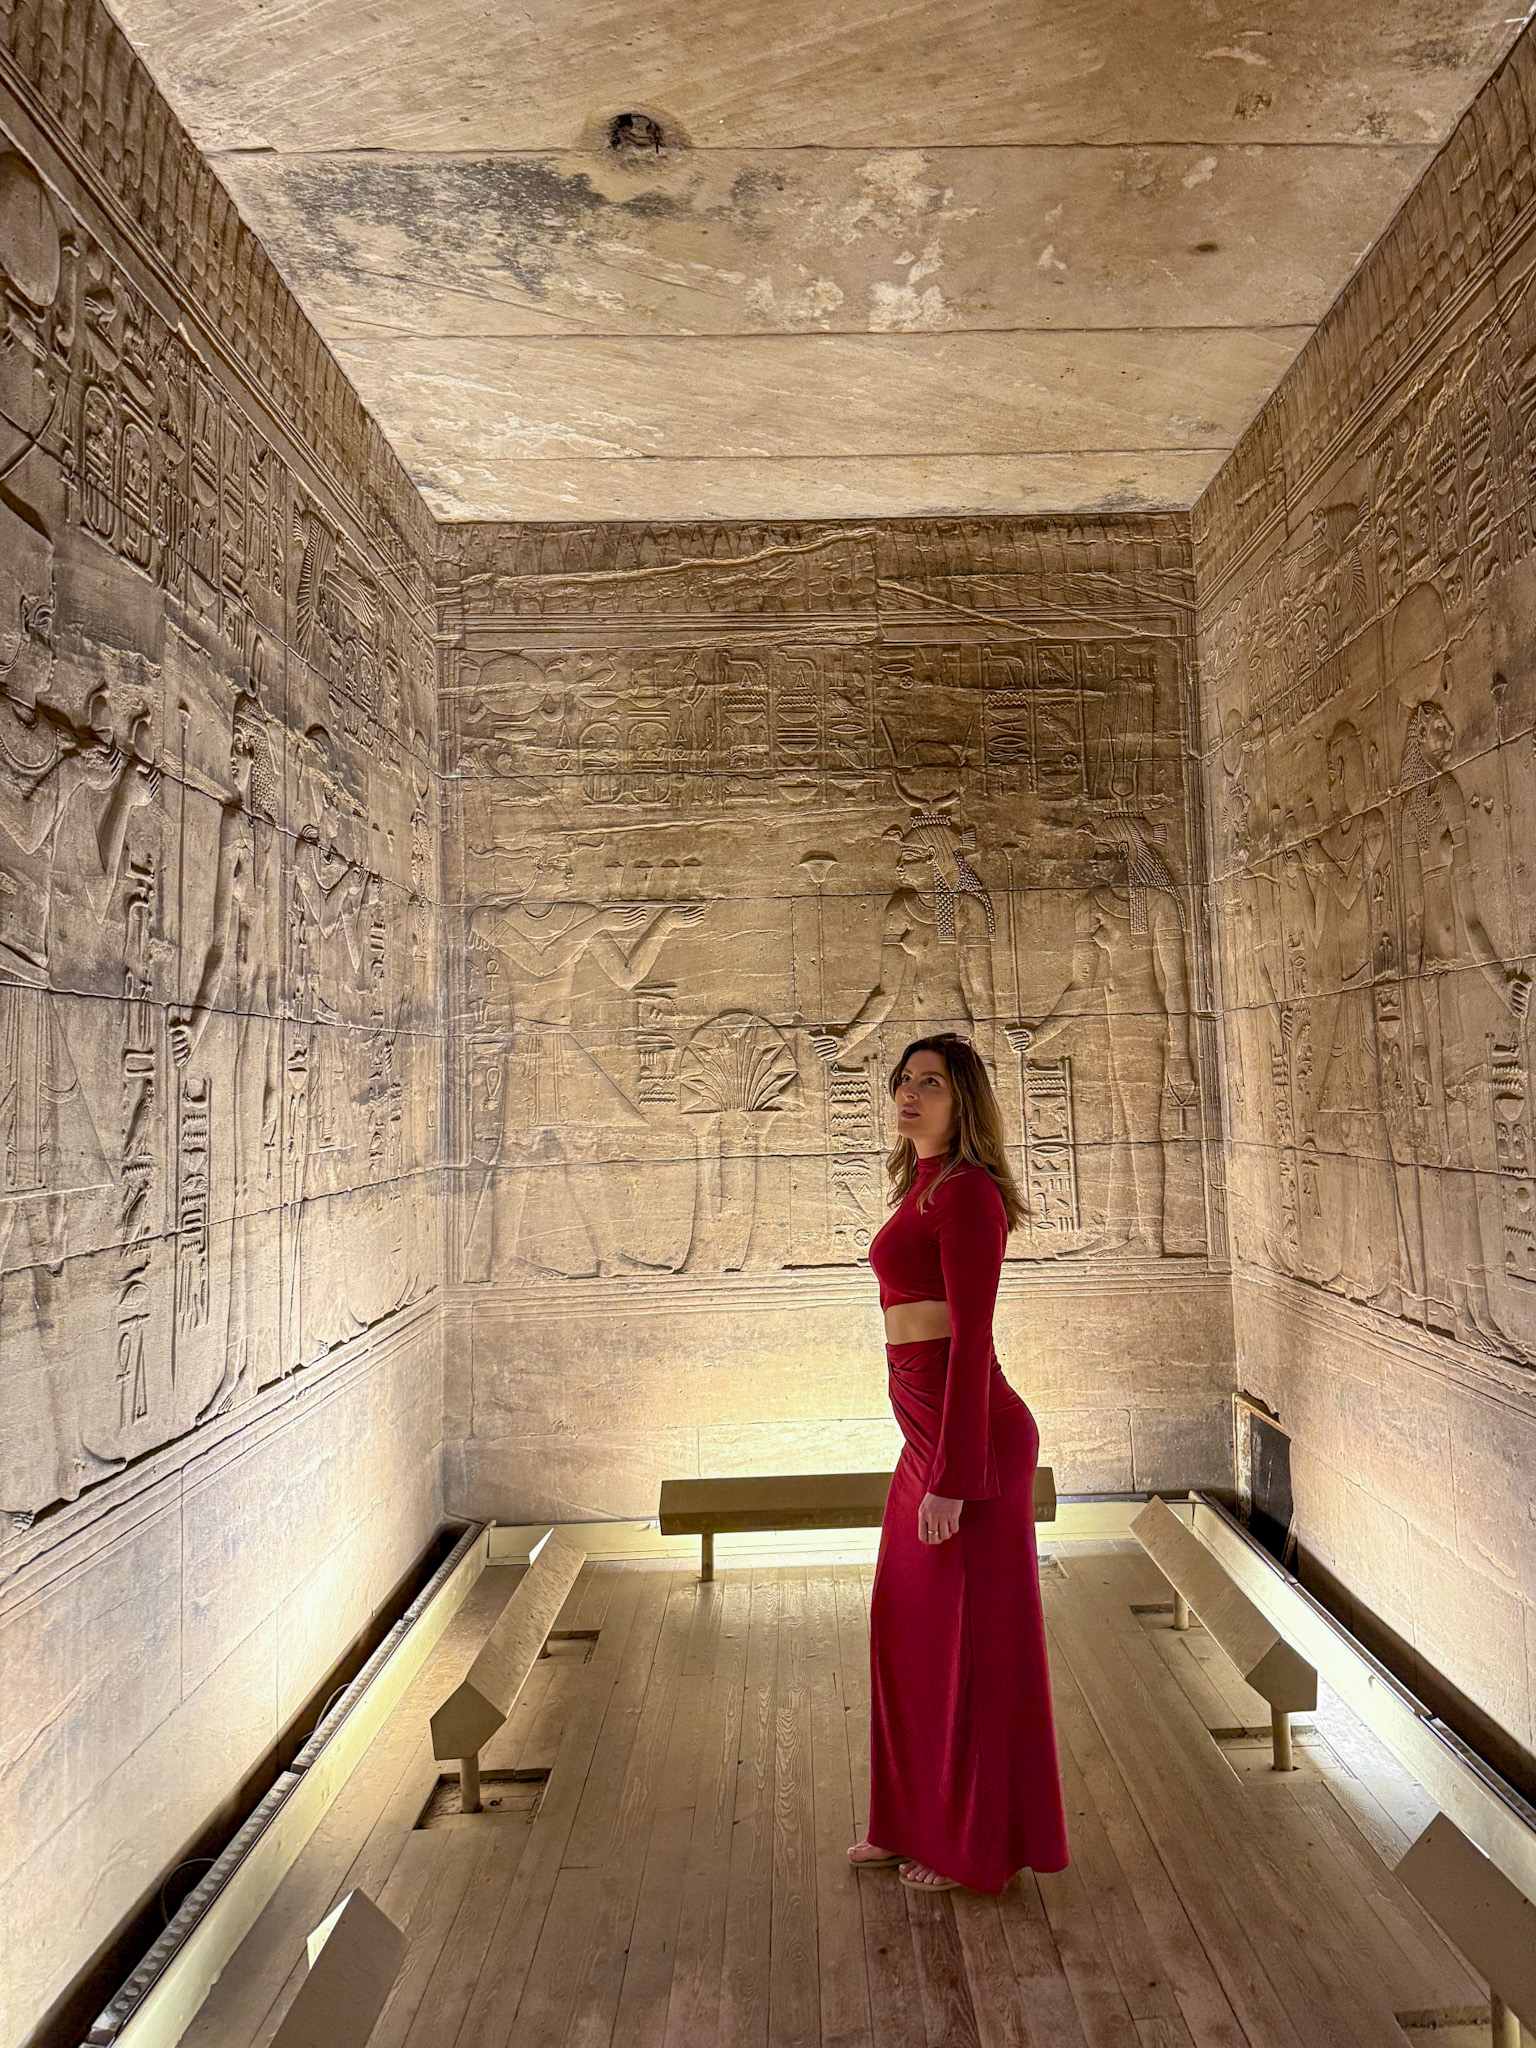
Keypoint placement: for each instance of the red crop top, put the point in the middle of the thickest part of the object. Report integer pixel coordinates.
(953, 1251)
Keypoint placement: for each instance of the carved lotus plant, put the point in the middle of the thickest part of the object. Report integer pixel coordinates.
(735, 1069)
(737, 1061)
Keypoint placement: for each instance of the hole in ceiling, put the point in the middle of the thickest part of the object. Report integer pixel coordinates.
(1206, 248)
(636, 135)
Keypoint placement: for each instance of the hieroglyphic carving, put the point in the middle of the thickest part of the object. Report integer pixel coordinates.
(1050, 1152)
(964, 701)
(1368, 671)
(148, 622)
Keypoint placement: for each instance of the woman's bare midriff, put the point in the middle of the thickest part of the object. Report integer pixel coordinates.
(916, 1322)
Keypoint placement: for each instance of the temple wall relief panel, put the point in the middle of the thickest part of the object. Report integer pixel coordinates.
(215, 714)
(1367, 576)
(737, 813)
(220, 1037)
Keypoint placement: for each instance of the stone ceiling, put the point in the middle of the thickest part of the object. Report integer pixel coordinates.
(893, 256)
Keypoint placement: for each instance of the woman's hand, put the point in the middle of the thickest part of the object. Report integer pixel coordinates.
(938, 1518)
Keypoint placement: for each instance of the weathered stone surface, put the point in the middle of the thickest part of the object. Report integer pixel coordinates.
(1366, 566)
(732, 807)
(722, 242)
(467, 417)
(219, 1018)
(445, 182)
(162, 1636)
(452, 77)
(735, 813)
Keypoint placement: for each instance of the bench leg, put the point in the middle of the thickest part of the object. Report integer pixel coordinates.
(1180, 1613)
(469, 1784)
(1280, 1731)
(706, 1559)
(1506, 2024)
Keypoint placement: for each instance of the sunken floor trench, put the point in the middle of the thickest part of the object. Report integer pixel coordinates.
(660, 1859)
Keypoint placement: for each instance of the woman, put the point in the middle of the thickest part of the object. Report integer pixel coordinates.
(964, 1787)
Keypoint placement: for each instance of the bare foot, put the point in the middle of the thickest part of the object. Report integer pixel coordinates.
(865, 1853)
(922, 1878)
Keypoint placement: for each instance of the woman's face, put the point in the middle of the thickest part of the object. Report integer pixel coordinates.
(925, 1104)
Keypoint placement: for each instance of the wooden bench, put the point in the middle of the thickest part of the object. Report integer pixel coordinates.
(354, 1958)
(1264, 1659)
(708, 1508)
(1490, 1920)
(486, 1695)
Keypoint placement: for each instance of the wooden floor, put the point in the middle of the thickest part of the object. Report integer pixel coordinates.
(679, 1879)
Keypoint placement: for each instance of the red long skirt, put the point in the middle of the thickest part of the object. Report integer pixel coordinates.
(963, 1771)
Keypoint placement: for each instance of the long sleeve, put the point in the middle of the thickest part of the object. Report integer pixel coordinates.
(972, 1232)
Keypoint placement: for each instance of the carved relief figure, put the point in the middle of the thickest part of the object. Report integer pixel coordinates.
(240, 974)
(1339, 875)
(65, 803)
(1445, 937)
(331, 893)
(1129, 987)
(563, 1111)
(935, 946)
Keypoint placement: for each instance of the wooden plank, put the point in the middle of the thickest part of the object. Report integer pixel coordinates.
(611, 1923)
(1321, 1992)
(794, 1992)
(1001, 2009)
(694, 2002)
(890, 1958)
(646, 1994)
(1139, 1975)
(425, 1888)
(533, 1742)
(1204, 2005)
(1037, 1966)
(1200, 1869)
(1490, 1920)
(1488, 1812)
(172, 2002)
(353, 1959)
(949, 2018)
(1202, 1807)
(844, 1976)
(1416, 1955)
(1106, 2018)
(491, 1866)
(744, 1990)
(813, 1500)
(382, 1796)
(565, 1943)
(514, 1937)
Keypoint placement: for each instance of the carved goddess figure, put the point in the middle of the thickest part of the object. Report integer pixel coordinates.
(935, 947)
(1445, 938)
(1130, 982)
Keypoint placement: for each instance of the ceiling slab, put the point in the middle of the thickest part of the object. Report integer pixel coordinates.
(807, 241)
(1027, 255)
(858, 74)
(491, 406)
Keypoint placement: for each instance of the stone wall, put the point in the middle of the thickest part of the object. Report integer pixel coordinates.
(220, 1371)
(735, 812)
(1366, 565)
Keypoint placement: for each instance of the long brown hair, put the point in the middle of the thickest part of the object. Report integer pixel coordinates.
(978, 1138)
